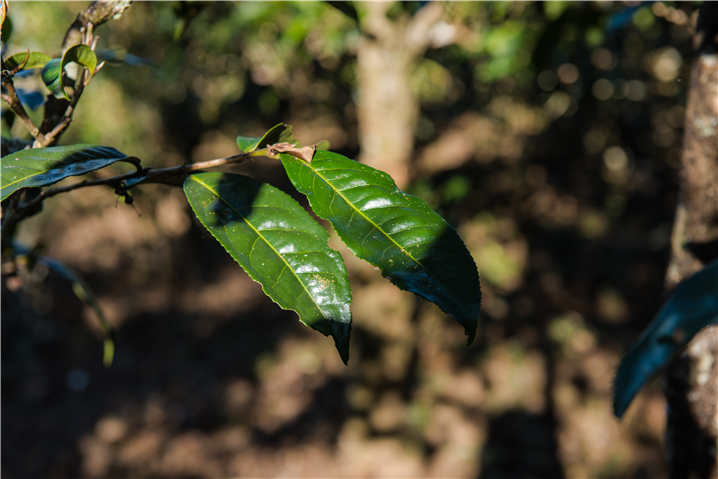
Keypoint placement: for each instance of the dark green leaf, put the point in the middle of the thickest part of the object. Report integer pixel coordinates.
(692, 306)
(52, 77)
(6, 29)
(82, 55)
(280, 133)
(45, 166)
(412, 245)
(281, 247)
(52, 71)
(36, 60)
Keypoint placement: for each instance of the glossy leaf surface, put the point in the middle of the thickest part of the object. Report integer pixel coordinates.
(45, 166)
(692, 306)
(36, 60)
(398, 233)
(280, 133)
(52, 77)
(281, 247)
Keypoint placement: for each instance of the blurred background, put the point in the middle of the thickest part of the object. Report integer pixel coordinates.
(548, 134)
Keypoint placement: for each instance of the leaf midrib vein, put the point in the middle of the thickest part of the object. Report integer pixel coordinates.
(340, 193)
(265, 240)
(47, 171)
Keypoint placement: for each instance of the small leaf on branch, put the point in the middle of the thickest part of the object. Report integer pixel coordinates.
(280, 246)
(323, 145)
(46, 166)
(34, 60)
(82, 55)
(53, 69)
(52, 77)
(280, 133)
(396, 232)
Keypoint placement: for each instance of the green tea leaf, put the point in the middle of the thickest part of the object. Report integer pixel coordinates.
(52, 71)
(45, 166)
(280, 133)
(52, 77)
(36, 60)
(692, 306)
(82, 55)
(398, 233)
(280, 246)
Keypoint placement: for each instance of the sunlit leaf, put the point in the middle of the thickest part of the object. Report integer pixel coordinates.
(45, 166)
(692, 306)
(82, 55)
(280, 246)
(36, 60)
(52, 71)
(396, 232)
(280, 133)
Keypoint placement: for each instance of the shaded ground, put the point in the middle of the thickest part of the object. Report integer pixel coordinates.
(211, 379)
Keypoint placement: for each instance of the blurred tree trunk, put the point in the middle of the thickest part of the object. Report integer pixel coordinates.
(386, 109)
(692, 379)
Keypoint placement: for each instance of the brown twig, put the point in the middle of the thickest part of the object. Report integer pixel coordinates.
(66, 119)
(150, 175)
(14, 102)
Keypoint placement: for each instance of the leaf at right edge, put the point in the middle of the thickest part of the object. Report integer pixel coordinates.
(46, 166)
(280, 246)
(393, 231)
(692, 306)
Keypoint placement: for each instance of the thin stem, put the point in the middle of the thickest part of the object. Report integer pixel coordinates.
(12, 99)
(149, 173)
(66, 117)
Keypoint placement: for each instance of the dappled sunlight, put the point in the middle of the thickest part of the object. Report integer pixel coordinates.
(547, 138)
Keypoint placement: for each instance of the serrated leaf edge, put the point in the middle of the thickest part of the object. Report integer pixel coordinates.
(361, 213)
(259, 234)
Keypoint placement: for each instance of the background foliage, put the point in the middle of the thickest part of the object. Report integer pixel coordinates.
(547, 134)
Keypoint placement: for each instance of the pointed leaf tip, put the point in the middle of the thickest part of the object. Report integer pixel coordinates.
(394, 231)
(46, 166)
(280, 246)
(279, 133)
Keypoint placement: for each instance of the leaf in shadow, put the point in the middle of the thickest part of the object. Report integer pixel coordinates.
(692, 306)
(46, 166)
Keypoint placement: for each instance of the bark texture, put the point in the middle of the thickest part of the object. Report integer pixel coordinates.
(692, 379)
(387, 110)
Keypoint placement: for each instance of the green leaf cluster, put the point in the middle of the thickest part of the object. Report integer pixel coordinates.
(278, 243)
(52, 71)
